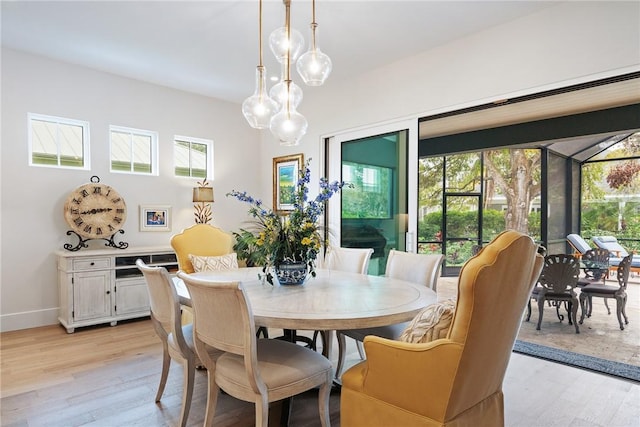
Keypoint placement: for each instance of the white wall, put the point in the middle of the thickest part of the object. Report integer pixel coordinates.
(33, 225)
(571, 43)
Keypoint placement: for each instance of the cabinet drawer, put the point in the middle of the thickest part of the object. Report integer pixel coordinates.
(91, 263)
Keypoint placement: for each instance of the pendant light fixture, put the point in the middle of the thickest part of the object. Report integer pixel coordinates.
(314, 66)
(259, 108)
(288, 125)
(277, 109)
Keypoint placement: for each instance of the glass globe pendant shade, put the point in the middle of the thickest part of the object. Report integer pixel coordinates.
(279, 94)
(288, 126)
(259, 108)
(314, 66)
(281, 46)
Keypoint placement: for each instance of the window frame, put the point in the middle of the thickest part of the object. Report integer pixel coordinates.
(133, 131)
(86, 152)
(209, 157)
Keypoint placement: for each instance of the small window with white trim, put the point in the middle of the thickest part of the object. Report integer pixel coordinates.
(58, 142)
(133, 150)
(193, 157)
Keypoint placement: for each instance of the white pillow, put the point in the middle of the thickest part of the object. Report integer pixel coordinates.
(214, 263)
(432, 323)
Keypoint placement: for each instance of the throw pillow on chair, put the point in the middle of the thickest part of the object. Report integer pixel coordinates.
(431, 323)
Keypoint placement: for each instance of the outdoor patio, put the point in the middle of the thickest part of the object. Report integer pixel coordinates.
(599, 336)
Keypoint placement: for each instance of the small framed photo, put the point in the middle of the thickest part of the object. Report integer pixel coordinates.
(286, 171)
(155, 218)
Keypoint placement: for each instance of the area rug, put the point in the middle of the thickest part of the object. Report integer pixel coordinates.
(584, 361)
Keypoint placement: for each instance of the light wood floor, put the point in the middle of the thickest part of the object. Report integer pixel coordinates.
(107, 376)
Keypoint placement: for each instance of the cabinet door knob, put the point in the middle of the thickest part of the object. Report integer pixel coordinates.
(108, 292)
(93, 263)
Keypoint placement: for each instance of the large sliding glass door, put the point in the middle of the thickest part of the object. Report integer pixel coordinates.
(373, 210)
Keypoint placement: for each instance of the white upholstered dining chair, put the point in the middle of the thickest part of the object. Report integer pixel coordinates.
(177, 340)
(416, 268)
(350, 260)
(254, 370)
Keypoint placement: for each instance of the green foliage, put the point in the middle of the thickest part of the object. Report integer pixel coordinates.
(601, 219)
(492, 223)
(247, 248)
(462, 224)
(603, 216)
(430, 228)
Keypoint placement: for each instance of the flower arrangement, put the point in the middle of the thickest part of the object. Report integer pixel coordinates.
(296, 237)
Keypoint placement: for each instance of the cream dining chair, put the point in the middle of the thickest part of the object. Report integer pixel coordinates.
(177, 340)
(250, 369)
(416, 268)
(350, 260)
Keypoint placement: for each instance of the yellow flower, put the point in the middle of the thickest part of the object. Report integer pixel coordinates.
(306, 241)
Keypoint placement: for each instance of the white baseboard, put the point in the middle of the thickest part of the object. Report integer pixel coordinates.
(28, 319)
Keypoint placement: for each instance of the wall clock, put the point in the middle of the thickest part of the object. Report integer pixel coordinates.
(95, 211)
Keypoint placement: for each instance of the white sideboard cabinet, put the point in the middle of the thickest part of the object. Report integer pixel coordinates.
(104, 285)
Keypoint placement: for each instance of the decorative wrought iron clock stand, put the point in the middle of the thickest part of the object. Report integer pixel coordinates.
(82, 243)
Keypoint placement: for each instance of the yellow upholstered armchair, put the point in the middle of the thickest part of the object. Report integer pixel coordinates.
(455, 381)
(200, 240)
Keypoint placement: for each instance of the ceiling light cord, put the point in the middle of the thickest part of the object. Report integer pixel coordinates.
(259, 108)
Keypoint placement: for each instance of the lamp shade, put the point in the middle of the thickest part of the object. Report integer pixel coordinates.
(203, 194)
(281, 91)
(284, 46)
(259, 108)
(314, 66)
(288, 126)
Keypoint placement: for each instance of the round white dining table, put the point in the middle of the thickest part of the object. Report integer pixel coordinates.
(333, 300)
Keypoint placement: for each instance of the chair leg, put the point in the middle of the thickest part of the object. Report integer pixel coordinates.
(621, 311)
(341, 350)
(323, 402)
(187, 390)
(528, 310)
(606, 304)
(540, 312)
(560, 316)
(262, 411)
(212, 398)
(166, 363)
(360, 350)
(573, 305)
(324, 340)
(583, 306)
(568, 305)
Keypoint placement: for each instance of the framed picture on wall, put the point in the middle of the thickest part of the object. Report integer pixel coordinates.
(155, 218)
(286, 171)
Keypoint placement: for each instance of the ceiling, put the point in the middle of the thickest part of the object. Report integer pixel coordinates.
(211, 47)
